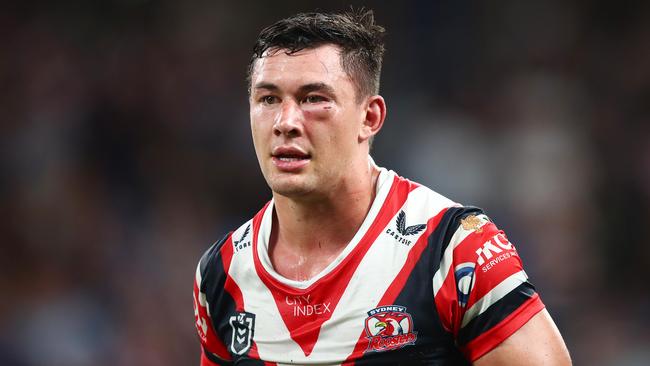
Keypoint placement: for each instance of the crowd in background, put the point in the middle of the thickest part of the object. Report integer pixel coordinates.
(125, 152)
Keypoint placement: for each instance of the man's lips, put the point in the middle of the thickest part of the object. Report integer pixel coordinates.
(289, 159)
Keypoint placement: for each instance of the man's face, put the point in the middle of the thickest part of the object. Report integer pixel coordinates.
(305, 121)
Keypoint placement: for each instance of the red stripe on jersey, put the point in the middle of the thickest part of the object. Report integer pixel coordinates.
(504, 329)
(400, 280)
(230, 286)
(253, 353)
(495, 259)
(447, 298)
(205, 361)
(209, 339)
(500, 266)
(327, 291)
(445, 301)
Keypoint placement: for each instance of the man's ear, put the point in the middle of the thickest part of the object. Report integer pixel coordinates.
(374, 116)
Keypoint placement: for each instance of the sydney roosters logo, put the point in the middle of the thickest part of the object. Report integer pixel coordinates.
(403, 231)
(389, 327)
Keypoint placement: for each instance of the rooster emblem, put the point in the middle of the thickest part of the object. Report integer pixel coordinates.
(389, 327)
(389, 324)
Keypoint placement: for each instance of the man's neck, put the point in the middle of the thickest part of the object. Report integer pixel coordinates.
(307, 235)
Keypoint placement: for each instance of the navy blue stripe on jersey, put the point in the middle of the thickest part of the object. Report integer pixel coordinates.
(221, 304)
(413, 356)
(496, 313)
(440, 238)
(427, 320)
(210, 254)
(425, 315)
(241, 361)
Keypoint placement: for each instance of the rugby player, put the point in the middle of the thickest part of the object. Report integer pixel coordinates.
(350, 263)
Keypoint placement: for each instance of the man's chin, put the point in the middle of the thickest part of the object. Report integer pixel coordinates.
(291, 188)
(291, 192)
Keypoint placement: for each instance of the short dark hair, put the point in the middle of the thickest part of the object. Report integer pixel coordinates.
(355, 32)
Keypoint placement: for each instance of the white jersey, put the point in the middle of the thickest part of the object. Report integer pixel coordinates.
(423, 281)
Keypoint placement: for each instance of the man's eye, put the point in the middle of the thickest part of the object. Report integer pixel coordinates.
(314, 99)
(268, 99)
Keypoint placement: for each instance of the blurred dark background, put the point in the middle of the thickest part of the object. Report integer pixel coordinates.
(125, 152)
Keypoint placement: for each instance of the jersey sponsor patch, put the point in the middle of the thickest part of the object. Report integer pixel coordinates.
(389, 327)
(242, 243)
(494, 251)
(401, 231)
(243, 325)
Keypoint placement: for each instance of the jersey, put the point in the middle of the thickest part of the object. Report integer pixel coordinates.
(424, 281)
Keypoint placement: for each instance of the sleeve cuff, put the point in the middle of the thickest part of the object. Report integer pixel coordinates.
(500, 332)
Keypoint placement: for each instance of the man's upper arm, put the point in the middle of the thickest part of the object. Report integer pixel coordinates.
(213, 349)
(481, 290)
(538, 342)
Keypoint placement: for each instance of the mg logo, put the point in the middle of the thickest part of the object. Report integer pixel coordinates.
(242, 332)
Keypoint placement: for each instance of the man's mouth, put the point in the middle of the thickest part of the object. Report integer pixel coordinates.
(289, 153)
(289, 159)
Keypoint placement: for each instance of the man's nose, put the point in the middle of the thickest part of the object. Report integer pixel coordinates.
(288, 122)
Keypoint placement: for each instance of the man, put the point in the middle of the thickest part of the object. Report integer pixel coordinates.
(350, 263)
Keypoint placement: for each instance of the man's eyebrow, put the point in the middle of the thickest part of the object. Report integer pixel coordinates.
(303, 89)
(265, 85)
(317, 87)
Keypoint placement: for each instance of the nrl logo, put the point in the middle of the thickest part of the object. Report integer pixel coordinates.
(243, 325)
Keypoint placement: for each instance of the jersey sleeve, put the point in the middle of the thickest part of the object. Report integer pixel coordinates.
(213, 350)
(481, 290)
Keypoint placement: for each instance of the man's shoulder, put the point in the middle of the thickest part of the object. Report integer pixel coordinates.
(422, 196)
(453, 215)
(228, 242)
(210, 255)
